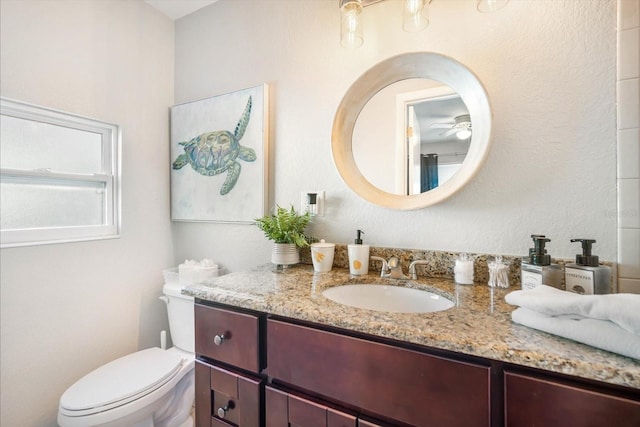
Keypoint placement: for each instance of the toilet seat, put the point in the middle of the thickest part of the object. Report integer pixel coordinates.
(121, 381)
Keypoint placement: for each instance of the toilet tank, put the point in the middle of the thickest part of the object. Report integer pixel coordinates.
(181, 319)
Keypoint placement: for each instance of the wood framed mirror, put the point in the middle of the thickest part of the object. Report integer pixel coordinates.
(440, 71)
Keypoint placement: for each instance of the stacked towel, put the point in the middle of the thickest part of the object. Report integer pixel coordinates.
(621, 309)
(192, 271)
(610, 322)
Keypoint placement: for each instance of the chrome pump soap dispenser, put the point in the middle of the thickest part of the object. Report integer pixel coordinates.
(539, 270)
(587, 276)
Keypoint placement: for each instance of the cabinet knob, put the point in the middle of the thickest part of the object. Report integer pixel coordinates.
(218, 339)
(222, 412)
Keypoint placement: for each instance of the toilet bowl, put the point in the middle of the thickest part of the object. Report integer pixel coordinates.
(150, 388)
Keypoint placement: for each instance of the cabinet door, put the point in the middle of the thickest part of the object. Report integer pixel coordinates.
(276, 405)
(286, 410)
(337, 418)
(531, 401)
(385, 381)
(223, 396)
(203, 395)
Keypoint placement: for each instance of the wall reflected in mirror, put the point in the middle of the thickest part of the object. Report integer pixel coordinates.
(412, 136)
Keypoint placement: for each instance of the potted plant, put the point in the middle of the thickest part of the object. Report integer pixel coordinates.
(286, 228)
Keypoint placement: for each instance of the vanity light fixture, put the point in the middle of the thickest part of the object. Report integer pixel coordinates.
(351, 23)
(415, 17)
(463, 134)
(488, 6)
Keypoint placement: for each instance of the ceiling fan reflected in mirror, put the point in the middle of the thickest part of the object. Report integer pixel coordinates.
(461, 126)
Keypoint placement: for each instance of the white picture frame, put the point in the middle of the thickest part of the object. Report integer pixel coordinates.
(213, 177)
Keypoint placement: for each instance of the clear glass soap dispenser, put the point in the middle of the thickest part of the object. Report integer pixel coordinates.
(498, 273)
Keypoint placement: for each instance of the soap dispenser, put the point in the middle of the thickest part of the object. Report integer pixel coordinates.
(538, 269)
(358, 256)
(586, 275)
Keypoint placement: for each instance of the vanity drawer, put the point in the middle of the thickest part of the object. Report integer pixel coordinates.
(228, 336)
(542, 401)
(412, 387)
(283, 409)
(225, 397)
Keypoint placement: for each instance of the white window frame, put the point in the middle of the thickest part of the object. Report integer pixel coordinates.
(110, 176)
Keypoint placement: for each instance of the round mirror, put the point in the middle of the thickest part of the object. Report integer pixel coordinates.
(412, 131)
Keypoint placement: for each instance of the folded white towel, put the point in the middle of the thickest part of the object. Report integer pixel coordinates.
(621, 309)
(192, 271)
(597, 333)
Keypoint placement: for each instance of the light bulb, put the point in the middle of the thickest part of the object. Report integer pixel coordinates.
(463, 134)
(415, 16)
(351, 23)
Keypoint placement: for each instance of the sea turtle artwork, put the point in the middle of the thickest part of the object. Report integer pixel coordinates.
(215, 152)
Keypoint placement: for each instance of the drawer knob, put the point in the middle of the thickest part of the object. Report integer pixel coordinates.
(218, 339)
(222, 412)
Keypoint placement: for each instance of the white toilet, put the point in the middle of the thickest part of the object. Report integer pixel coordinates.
(149, 388)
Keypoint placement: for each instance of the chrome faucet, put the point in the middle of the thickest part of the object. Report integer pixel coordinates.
(395, 269)
(385, 267)
(412, 268)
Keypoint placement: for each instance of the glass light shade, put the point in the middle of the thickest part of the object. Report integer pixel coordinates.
(488, 6)
(351, 23)
(415, 16)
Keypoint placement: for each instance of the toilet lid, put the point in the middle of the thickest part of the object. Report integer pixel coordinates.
(123, 379)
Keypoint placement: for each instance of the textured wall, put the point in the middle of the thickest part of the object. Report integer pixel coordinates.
(629, 145)
(69, 308)
(549, 68)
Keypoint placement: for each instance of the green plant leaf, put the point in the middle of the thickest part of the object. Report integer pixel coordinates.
(285, 226)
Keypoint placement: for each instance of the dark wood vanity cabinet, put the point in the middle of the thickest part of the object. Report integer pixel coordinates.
(539, 401)
(229, 389)
(255, 370)
(380, 380)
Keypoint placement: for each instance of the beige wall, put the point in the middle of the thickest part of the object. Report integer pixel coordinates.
(69, 308)
(549, 68)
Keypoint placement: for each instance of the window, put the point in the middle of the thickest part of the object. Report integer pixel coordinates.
(59, 176)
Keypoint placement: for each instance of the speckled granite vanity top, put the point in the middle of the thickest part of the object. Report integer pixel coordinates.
(479, 324)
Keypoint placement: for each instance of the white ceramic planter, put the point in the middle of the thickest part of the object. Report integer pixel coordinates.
(285, 254)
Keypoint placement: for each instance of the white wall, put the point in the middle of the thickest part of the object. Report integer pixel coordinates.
(629, 146)
(69, 308)
(549, 68)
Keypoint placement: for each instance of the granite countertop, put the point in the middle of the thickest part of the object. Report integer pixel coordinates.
(479, 324)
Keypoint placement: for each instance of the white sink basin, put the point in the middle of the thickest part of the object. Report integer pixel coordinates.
(394, 299)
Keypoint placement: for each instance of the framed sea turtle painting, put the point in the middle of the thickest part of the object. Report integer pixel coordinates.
(219, 150)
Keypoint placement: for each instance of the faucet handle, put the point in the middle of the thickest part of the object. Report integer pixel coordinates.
(412, 268)
(412, 271)
(395, 269)
(385, 268)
